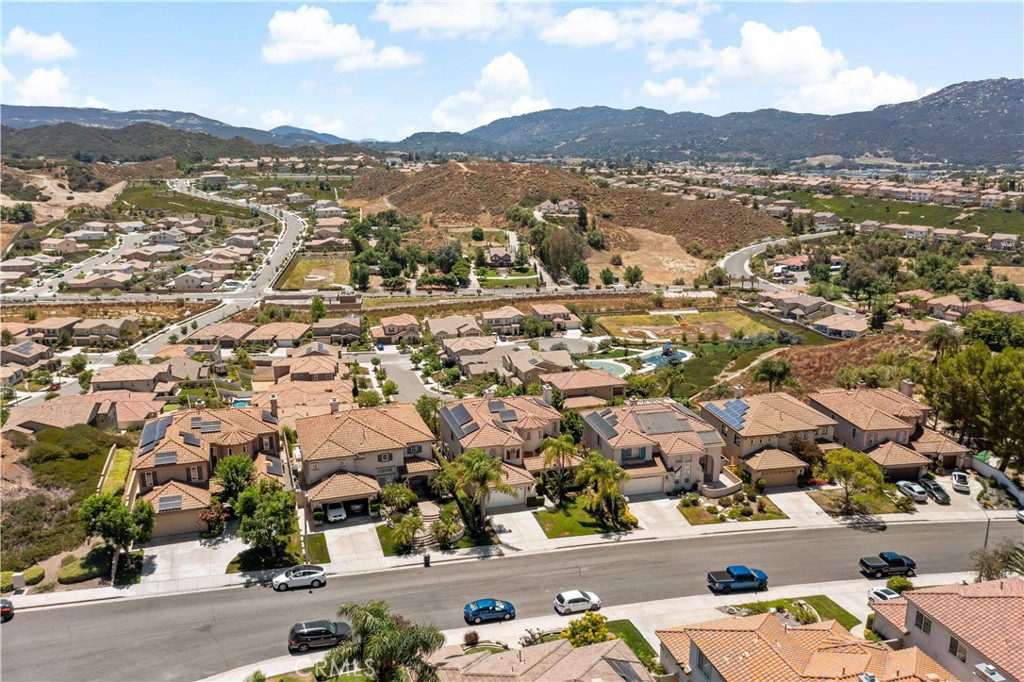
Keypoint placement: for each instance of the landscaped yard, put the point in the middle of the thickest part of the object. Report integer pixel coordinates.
(253, 560)
(96, 564)
(698, 515)
(826, 608)
(324, 272)
(627, 632)
(306, 675)
(516, 277)
(472, 537)
(118, 474)
(627, 326)
(316, 548)
(831, 501)
(570, 520)
(150, 197)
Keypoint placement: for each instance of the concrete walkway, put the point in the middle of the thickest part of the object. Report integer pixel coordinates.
(646, 616)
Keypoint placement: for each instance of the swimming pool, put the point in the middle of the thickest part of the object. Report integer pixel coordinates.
(241, 402)
(657, 359)
(617, 368)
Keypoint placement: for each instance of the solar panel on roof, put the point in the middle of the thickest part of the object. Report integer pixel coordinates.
(274, 466)
(147, 449)
(460, 414)
(148, 434)
(601, 425)
(267, 417)
(197, 421)
(470, 428)
(191, 439)
(495, 406)
(501, 425)
(508, 416)
(169, 503)
(168, 457)
(656, 423)
(210, 427)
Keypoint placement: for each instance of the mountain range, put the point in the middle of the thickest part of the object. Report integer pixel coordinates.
(971, 123)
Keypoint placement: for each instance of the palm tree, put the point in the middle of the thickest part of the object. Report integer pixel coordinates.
(942, 339)
(478, 475)
(557, 452)
(406, 526)
(387, 647)
(602, 478)
(773, 371)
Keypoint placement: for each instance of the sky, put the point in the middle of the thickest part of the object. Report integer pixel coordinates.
(386, 69)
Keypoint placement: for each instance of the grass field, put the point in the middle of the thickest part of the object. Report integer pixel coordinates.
(118, 474)
(148, 197)
(570, 520)
(316, 548)
(724, 321)
(701, 373)
(826, 608)
(617, 324)
(858, 209)
(334, 271)
(831, 501)
(628, 633)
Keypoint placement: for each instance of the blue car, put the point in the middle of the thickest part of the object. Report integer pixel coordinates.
(481, 610)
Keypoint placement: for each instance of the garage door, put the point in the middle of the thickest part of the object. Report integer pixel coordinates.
(778, 479)
(176, 523)
(949, 462)
(644, 486)
(906, 474)
(499, 500)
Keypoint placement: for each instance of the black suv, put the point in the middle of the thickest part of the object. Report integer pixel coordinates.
(935, 491)
(317, 633)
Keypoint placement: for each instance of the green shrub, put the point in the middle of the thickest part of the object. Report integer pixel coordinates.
(899, 584)
(725, 501)
(738, 498)
(761, 485)
(746, 511)
(6, 581)
(804, 616)
(905, 505)
(45, 452)
(712, 509)
(35, 575)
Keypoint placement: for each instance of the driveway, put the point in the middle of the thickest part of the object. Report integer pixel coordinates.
(354, 546)
(190, 558)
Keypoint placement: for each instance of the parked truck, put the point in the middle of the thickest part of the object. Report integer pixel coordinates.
(737, 578)
(888, 563)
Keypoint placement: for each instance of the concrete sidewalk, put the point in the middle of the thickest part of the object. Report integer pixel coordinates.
(647, 617)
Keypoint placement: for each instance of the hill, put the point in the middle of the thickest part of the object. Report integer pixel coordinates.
(458, 194)
(146, 141)
(973, 123)
(305, 136)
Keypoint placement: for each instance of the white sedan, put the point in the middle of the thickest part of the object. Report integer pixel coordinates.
(961, 483)
(882, 594)
(573, 601)
(300, 576)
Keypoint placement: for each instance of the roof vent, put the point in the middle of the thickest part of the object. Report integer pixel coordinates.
(867, 677)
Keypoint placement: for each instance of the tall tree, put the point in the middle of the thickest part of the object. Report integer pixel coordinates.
(557, 452)
(106, 516)
(633, 275)
(317, 309)
(127, 357)
(579, 273)
(602, 477)
(1002, 415)
(942, 339)
(426, 408)
(854, 472)
(234, 474)
(266, 515)
(387, 647)
(773, 371)
(478, 475)
(953, 388)
(607, 277)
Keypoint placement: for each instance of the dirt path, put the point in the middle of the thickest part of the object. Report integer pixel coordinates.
(726, 375)
(59, 205)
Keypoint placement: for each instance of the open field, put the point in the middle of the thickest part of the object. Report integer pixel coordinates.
(157, 197)
(660, 256)
(725, 322)
(649, 327)
(640, 327)
(169, 311)
(54, 184)
(465, 236)
(329, 272)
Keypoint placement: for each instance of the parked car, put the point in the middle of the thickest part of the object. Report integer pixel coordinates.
(912, 490)
(737, 578)
(961, 483)
(300, 576)
(6, 610)
(882, 594)
(55, 386)
(572, 601)
(935, 491)
(336, 512)
(317, 633)
(1020, 515)
(481, 610)
(380, 346)
(888, 563)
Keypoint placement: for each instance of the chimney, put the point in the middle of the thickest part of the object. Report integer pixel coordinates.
(200, 404)
(737, 391)
(273, 404)
(335, 404)
(546, 397)
(907, 388)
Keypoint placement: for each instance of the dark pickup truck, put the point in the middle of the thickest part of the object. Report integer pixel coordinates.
(737, 578)
(888, 563)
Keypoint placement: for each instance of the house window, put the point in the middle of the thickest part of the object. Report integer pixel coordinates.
(855, 432)
(316, 466)
(414, 450)
(385, 457)
(193, 474)
(266, 442)
(957, 648)
(147, 479)
(704, 665)
(923, 623)
(736, 439)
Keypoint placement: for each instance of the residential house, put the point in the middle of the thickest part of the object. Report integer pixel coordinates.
(510, 429)
(22, 265)
(763, 647)
(274, 192)
(918, 232)
(557, 314)
(171, 236)
(210, 352)
(222, 334)
(133, 408)
(868, 226)
(1004, 242)
(213, 179)
(61, 246)
(100, 280)
(842, 325)
(582, 388)
(278, 334)
(328, 244)
(914, 299)
(178, 454)
(292, 400)
(245, 241)
(775, 467)
(866, 417)
(946, 234)
(750, 424)
(488, 362)
(910, 325)
(898, 463)
(1005, 306)
(297, 198)
(194, 280)
(330, 212)
(118, 266)
(11, 375)
(499, 257)
(825, 220)
(946, 452)
(396, 329)
(96, 332)
(663, 446)
(149, 378)
(153, 253)
(453, 326)
(951, 307)
(61, 413)
(526, 366)
(17, 330)
(504, 320)
(86, 235)
(456, 348)
(338, 329)
(979, 239)
(29, 355)
(970, 629)
(49, 331)
(311, 367)
(554, 661)
(347, 455)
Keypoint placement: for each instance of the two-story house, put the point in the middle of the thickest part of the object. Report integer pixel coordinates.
(499, 257)
(396, 329)
(178, 454)
(582, 388)
(1004, 242)
(291, 400)
(663, 446)
(526, 366)
(195, 280)
(343, 330)
(456, 349)
(347, 455)
(557, 314)
(866, 417)
(29, 356)
(95, 332)
(453, 326)
(278, 335)
(951, 307)
(504, 320)
(148, 378)
(48, 331)
(971, 630)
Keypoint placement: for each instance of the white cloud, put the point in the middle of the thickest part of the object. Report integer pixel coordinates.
(445, 20)
(275, 117)
(94, 103)
(503, 89)
(589, 26)
(324, 124)
(306, 85)
(45, 87)
(857, 89)
(794, 56)
(310, 34)
(36, 47)
(677, 89)
(6, 77)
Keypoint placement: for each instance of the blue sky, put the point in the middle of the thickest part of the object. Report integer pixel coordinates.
(386, 69)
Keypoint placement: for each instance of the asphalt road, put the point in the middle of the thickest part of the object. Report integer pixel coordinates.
(735, 264)
(192, 636)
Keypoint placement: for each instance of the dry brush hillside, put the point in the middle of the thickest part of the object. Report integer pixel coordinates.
(458, 194)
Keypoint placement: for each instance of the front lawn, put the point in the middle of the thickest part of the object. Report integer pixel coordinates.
(571, 519)
(627, 632)
(831, 501)
(471, 538)
(826, 608)
(698, 516)
(96, 565)
(316, 548)
(306, 675)
(256, 560)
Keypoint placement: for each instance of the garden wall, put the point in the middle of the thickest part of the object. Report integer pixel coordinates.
(988, 470)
